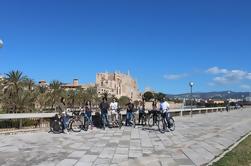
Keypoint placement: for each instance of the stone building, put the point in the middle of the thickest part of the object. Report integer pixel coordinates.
(117, 84)
(75, 85)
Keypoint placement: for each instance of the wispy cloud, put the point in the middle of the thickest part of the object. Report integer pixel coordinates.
(225, 76)
(175, 76)
(217, 70)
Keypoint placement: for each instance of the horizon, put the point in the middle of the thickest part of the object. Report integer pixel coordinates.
(164, 44)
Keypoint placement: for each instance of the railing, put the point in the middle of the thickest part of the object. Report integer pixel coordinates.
(42, 119)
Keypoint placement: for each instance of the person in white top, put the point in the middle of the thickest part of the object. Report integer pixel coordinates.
(114, 110)
(164, 108)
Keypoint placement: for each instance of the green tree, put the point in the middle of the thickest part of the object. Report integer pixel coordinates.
(18, 93)
(123, 100)
(55, 93)
(148, 96)
(159, 96)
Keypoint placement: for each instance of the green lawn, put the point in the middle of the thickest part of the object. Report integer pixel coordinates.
(239, 156)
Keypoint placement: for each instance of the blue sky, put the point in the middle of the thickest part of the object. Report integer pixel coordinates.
(164, 44)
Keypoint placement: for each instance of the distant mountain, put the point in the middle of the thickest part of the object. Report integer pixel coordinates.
(213, 95)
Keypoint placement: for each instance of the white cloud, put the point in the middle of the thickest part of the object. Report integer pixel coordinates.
(217, 70)
(249, 76)
(175, 76)
(228, 76)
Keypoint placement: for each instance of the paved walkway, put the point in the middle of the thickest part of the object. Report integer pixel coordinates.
(196, 141)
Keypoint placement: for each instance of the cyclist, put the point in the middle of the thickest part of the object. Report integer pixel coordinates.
(104, 107)
(141, 112)
(114, 111)
(129, 113)
(88, 113)
(164, 108)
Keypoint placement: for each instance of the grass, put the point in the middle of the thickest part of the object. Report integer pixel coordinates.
(239, 156)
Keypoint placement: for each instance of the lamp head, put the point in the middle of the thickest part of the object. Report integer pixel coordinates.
(191, 84)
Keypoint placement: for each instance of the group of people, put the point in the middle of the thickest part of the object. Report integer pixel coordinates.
(113, 107)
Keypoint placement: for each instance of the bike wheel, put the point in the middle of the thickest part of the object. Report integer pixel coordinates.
(172, 124)
(76, 125)
(150, 121)
(56, 127)
(86, 124)
(144, 120)
(134, 122)
(162, 126)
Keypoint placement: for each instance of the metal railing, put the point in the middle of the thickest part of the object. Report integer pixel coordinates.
(42, 119)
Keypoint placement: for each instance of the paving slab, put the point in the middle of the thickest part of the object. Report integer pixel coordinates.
(195, 141)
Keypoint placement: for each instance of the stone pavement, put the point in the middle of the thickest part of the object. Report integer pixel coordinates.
(196, 141)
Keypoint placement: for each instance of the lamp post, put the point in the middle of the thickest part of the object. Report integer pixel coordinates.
(229, 98)
(191, 84)
(243, 96)
(1, 43)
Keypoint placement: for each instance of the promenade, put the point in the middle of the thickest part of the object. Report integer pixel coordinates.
(196, 141)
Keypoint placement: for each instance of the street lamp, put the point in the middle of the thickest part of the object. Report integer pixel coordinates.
(243, 96)
(229, 99)
(191, 84)
(1, 43)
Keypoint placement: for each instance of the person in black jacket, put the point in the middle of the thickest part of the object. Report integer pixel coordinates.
(130, 108)
(104, 107)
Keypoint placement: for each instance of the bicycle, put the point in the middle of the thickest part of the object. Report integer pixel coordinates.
(164, 124)
(118, 121)
(75, 123)
(143, 119)
(153, 118)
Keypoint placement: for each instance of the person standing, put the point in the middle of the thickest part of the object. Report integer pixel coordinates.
(104, 107)
(114, 111)
(154, 111)
(129, 113)
(141, 112)
(88, 113)
(64, 116)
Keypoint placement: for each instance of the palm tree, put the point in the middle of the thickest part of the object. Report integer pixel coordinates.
(18, 94)
(14, 80)
(55, 93)
(71, 98)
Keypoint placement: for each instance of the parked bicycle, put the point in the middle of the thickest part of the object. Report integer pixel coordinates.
(153, 118)
(75, 123)
(143, 119)
(117, 119)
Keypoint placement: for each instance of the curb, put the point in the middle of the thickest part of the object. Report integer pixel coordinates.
(229, 149)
